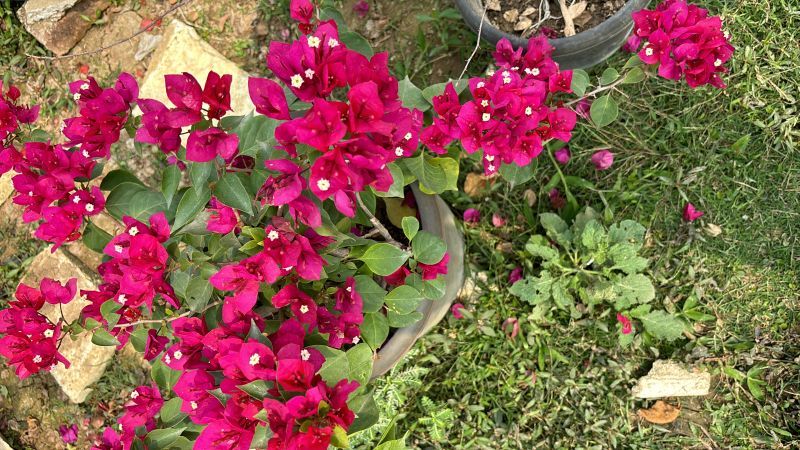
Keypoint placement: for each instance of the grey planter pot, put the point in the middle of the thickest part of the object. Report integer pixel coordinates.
(585, 49)
(436, 218)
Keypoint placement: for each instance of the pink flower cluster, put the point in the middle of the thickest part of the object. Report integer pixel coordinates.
(683, 41)
(508, 117)
(31, 340)
(134, 275)
(47, 174)
(11, 116)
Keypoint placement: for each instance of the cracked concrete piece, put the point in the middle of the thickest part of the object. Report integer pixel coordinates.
(88, 361)
(670, 379)
(182, 50)
(38, 10)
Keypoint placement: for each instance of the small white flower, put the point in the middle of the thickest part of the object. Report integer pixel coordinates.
(490, 72)
(30, 193)
(254, 359)
(535, 71)
(349, 289)
(122, 299)
(193, 404)
(506, 80)
(48, 333)
(85, 154)
(118, 248)
(398, 151)
(408, 136)
(84, 86)
(63, 126)
(718, 62)
(297, 80)
(134, 394)
(323, 184)
(528, 111)
(340, 335)
(167, 359)
(303, 309)
(484, 103)
(480, 84)
(490, 158)
(305, 354)
(76, 199)
(515, 68)
(178, 355)
(313, 41)
(506, 74)
(133, 231)
(309, 73)
(288, 268)
(356, 340)
(76, 96)
(485, 117)
(272, 235)
(332, 42)
(491, 167)
(89, 207)
(648, 51)
(726, 34)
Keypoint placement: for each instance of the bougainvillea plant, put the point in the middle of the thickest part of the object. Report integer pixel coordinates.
(259, 280)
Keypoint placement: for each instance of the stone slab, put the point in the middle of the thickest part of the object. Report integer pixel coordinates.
(38, 10)
(4, 445)
(670, 379)
(182, 50)
(59, 33)
(6, 189)
(88, 360)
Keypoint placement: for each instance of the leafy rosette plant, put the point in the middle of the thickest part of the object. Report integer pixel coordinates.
(259, 279)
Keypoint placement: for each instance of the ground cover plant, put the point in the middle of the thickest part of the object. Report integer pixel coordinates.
(433, 427)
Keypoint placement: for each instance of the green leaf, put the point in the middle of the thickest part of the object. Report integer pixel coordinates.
(139, 339)
(164, 377)
(635, 75)
(103, 338)
(594, 235)
(339, 437)
(375, 329)
(633, 61)
(384, 259)
(435, 175)
(261, 437)
(359, 359)
(200, 173)
(162, 438)
(170, 182)
(517, 175)
(108, 311)
(603, 111)
(411, 96)
(397, 444)
(135, 200)
(230, 191)
(403, 320)
(356, 42)
(534, 290)
(371, 293)
(556, 228)
(256, 136)
(410, 227)
(428, 248)
(609, 76)
(171, 412)
(330, 13)
(95, 238)
(198, 293)
(540, 247)
(258, 389)
(117, 177)
(741, 144)
(438, 89)
(633, 289)
(628, 232)
(403, 299)
(366, 411)
(355, 364)
(190, 205)
(561, 295)
(398, 182)
(626, 259)
(662, 325)
(580, 81)
(430, 289)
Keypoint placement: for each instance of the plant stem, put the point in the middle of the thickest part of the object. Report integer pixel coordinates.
(560, 174)
(377, 224)
(167, 319)
(598, 90)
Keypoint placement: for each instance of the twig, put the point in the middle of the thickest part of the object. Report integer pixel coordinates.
(477, 43)
(598, 90)
(377, 224)
(569, 25)
(166, 319)
(114, 44)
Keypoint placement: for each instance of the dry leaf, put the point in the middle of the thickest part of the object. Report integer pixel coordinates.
(583, 19)
(577, 9)
(528, 11)
(493, 5)
(713, 230)
(530, 197)
(660, 413)
(505, 247)
(511, 15)
(523, 24)
(476, 185)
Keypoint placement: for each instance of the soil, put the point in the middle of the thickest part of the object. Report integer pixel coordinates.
(520, 17)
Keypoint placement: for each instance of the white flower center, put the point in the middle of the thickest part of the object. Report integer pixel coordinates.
(506, 74)
(535, 71)
(193, 404)
(122, 299)
(490, 158)
(273, 235)
(133, 231)
(323, 184)
(76, 96)
(528, 111)
(85, 154)
(254, 359)
(304, 309)
(484, 103)
(89, 207)
(398, 151)
(486, 117)
(506, 80)
(30, 193)
(48, 333)
(648, 51)
(332, 42)
(480, 84)
(490, 72)
(76, 199)
(356, 340)
(349, 289)
(178, 355)
(297, 81)
(718, 62)
(491, 167)
(167, 359)
(309, 73)
(313, 41)
(340, 335)
(134, 395)
(305, 354)
(118, 248)
(84, 86)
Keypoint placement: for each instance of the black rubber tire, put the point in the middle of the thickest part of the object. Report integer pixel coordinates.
(585, 49)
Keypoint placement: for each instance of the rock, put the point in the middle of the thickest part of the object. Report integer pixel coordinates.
(108, 63)
(147, 44)
(670, 379)
(182, 50)
(38, 10)
(6, 189)
(3, 445)
(88, 361)
(60, 32)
